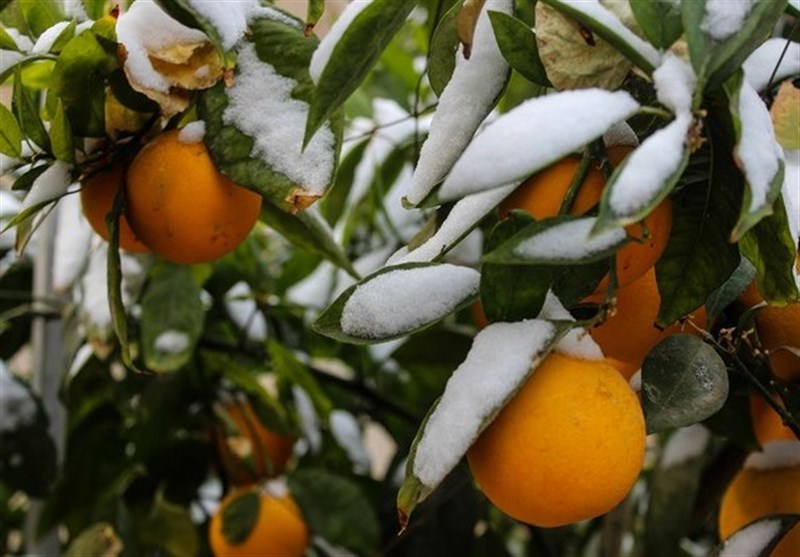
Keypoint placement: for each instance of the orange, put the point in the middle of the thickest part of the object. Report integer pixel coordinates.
(182, 207)
(541, 195)
(767, 424)
(754, 494)
(629, 334)
(279, 530)
(266, 453)
(567, 447)
(97, 200)
(777, 327)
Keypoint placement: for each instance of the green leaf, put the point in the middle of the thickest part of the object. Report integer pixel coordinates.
(329, 322)
(294, 372)
(512, 292)
(353, 56)
(315, 10)
(64, 37)
(26, 180)
(78, 80)
(61, 135)
(95, 9)
(741, 542)
(6, 41)
(332, 505)
(10, 134)
(240, 516)
(24, 63)
(684, 381)
(730, 290)
(169, 526)
(27, 114)
(97, 539)
(443, 49)
(770, 247)
(699, 257)
(517, 43)
(333, 205)
(660, 20)
(41, 15)
(283, 49)
(172, 317)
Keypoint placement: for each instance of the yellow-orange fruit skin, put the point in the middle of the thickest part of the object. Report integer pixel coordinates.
(279, 531)
(767, 424)
(569, 445)
(182, 207)
(754, 494)
(97, 200)
(541, 195)
(631, 332)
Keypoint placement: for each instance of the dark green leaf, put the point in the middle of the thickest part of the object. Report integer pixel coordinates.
(294, 372)
(10, 134)
(353, 57)
(315, 10)
(741, 542)
(26, 180)
(27, 113)
(683, 382)
(517, 42)
(660, 20)
(730, 290)
(512, 292)
(240, 516)
(573, 283)
(332, 505)
(41, 15)
(423, 357)
(172, 317)
(61, 135)
(443, 48)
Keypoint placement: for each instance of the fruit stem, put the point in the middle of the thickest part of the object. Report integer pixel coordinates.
(576, 183)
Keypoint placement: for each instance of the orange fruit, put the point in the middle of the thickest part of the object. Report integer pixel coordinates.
(777, 327)
(541, 195)
(279, 530)
(264, 453)
(182, 207)
(629, 334)
(767, 424)
(567, 447)
(754, 494)
(97, 200)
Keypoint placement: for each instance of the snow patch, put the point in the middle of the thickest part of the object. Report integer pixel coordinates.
(172, 342)
(326, 47)
(72, 242)
(193, 132)
(346, 431)
(569, 241)
(675, 82)
(228, 18)
(723, 18)
(775, 454)
(49, 185)
(17, 407)
(684, 445)
(752, 539)
(760, 65)
(244, 311)
(791, 192)
(309, 421)
(577, 343)
(45, 41)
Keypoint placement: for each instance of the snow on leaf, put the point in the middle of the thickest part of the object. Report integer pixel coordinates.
(723, 18)
(397, 301)
(762, 62)
(534, 135)
(577, 343)
(228, 18)
(685, 444)
(48, 186)
(465, 102)
(775, 454)
(327, 45)
(757, 538)
(243, 311)
(675, 82)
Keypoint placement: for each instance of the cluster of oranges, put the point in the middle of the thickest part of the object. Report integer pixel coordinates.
(178, 205)
(252, 455)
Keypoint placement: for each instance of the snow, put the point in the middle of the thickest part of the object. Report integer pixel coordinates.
(465, 102)
(94, 305)
(309, 422)
(500, 360)
(49, 185)
(276, 487)
(172, 342)
(761, 63)
(193, 132)
(569, 241)
(402, 300)
(314, 291)
(723, 18)
(532, 136)
(146, 28)
(775, 454)
(647, 169)
(45, 41)
(364, 266)
(577, 343)
(608, 19)
(346, 431)
(403, 221)
(17, 407)
(675, 82)
(261, 106)
(228, 18)
(751, 539)
(243, 311)
(327, 45)
(758, 151)
(684, 445)
(465, 214)
(9, 57)
(74, 8)
(72, 241)
(9, 207)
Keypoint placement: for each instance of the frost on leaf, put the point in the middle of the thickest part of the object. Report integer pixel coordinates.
(764, 61)
(723, 18)
(675, 81)
(326, 47)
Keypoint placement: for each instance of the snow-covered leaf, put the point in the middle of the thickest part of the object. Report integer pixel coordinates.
(558, 241)
(443, 48)
(10, 134)
(50, 183)
(255, 126)
(684, 381)
(660, 21)
(758, 538)
(517, 42)
(763, 64)
(599, 19)
(721, 34)
(534, 135)
(348, 52)
(397, 301)
(471, 400)
(467, 99)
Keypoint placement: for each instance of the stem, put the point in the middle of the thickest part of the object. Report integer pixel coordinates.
(576, 183)
(655, 111)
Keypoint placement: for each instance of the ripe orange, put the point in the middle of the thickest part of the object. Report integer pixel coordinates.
(767, 424)
(568, 447)
(261, 452)
(777, 327)
(629, 334)
(182, 207)
(541, 195)
(97, 200)
(279, 529)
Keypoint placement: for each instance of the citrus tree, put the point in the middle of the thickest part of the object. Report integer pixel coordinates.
(450, 277)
